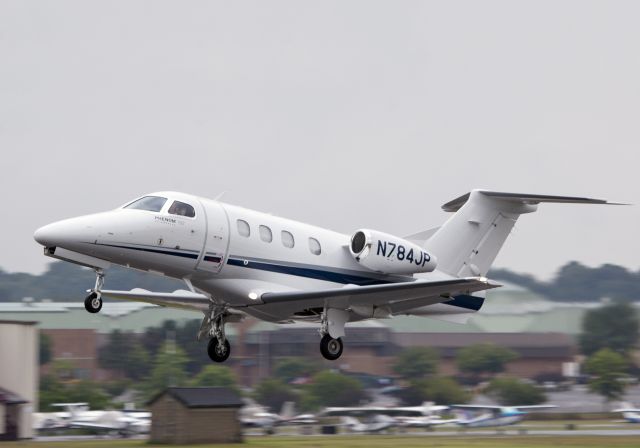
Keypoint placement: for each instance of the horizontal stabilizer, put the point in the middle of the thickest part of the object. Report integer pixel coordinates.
(457, 203)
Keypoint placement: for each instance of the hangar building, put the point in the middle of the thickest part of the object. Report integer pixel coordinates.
(18, 378)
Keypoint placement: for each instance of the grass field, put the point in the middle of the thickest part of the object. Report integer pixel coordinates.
(368, 442)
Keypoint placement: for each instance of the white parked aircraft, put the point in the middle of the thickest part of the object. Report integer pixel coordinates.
(629, 413)
(378, 423)
(236, 261)
(423, 416)
(486, 415)
(78, 415)
(255, 415)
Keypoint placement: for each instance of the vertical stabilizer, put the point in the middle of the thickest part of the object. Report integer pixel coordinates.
(468, 243)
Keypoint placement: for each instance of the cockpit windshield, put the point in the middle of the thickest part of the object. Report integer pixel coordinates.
(149, 203)
(182, 209)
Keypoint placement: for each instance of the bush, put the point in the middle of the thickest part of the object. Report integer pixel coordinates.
(440, 390)
(416, 362)
(332, 389)
(273, 393)
(288, 369)
(216, 376)
(513, 392)
(480, 359)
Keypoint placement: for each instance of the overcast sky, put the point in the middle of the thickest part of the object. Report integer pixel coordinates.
(344, 114)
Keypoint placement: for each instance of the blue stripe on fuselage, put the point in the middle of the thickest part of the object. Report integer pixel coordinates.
(155, 251)
(317, 274)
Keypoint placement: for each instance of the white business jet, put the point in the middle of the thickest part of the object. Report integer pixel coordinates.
(236, 261)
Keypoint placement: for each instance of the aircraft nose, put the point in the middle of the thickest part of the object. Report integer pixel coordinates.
(56, 234)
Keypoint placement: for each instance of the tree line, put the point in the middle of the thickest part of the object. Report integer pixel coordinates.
(575, 282)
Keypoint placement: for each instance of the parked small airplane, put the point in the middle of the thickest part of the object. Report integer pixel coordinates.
(378, 423)
(474, 416)
(423, 416)
(629, 413)
(236, 261)
(426, 409)
(255, 415)
(78, 415)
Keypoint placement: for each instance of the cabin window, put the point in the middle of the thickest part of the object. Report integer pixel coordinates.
(148, 203)
(243, 228)
(182, 209)
(314, 246)
(265, 234)
(287, 239)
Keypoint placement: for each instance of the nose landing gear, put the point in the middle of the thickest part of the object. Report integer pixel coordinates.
(218, 352)
(218, 348)
(93, 302)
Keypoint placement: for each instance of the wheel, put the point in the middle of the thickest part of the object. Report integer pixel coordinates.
(331, 348)
(217, 352)
(93, 303)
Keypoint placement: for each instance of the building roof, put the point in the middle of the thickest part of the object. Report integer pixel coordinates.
(8, 397)
(545, 345)
(18, 322)
(203, 397)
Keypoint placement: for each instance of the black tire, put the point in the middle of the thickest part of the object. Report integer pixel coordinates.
(93, 303)
(218, 354)
(331, 348)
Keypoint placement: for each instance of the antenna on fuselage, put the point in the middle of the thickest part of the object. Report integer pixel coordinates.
(217, 198)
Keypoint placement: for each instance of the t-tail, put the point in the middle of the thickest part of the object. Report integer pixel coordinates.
(468, 243)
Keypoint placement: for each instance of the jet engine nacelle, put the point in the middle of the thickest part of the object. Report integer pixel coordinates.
(389, 254)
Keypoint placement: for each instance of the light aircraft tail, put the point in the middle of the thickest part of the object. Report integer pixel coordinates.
(468, 243)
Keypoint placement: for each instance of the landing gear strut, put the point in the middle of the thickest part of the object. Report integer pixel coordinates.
(93, 302)
(218, 348)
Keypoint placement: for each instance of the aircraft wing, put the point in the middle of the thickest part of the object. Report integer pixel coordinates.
(422, 292)
(409, 411)
(397, 296)
(535, 407)
(491, 407)
(475, 406)
(90, 425)
(626, 410)
(177, 299)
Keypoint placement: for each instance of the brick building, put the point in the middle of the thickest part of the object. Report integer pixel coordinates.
(538, 353)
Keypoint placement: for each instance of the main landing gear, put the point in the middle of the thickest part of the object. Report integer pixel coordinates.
(212, 325)
(332, 323)
(93, 302)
